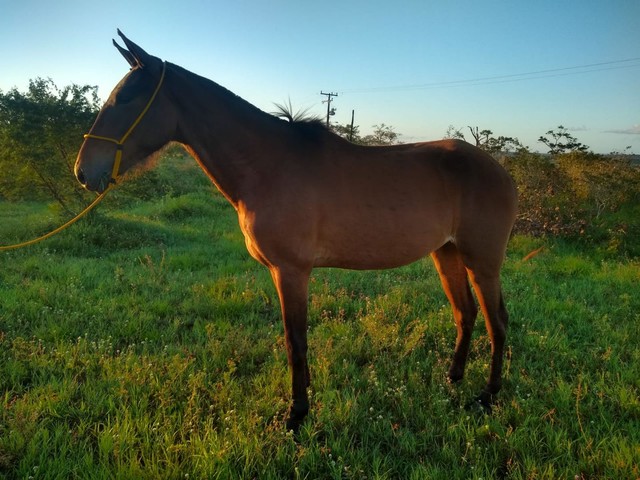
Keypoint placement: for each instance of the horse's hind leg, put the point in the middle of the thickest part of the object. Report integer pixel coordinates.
(486, 284)
(453, 275)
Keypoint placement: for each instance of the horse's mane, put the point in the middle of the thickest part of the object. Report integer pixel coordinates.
(306, 125)
(285, 112)
(301, 119)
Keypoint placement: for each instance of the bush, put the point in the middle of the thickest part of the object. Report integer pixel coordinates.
(578, 196)
(40, 134)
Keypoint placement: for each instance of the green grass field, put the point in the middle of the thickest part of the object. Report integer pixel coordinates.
(144, 342)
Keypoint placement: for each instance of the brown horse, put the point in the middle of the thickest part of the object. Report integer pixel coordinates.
(307, 198)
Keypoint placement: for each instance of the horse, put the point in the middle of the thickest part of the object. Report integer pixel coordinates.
(307, 198)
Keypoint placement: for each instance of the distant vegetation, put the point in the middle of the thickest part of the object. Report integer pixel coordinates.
(580, 196)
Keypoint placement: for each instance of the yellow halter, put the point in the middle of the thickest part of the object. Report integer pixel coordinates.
(120, 143)
(114, 171)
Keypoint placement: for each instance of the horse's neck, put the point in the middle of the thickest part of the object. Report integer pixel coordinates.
(232, 140)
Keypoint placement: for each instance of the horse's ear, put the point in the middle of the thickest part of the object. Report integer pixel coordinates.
(136, 56)
(126, 54)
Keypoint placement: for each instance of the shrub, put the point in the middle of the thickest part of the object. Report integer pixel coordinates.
(577, 195)
(40, 133)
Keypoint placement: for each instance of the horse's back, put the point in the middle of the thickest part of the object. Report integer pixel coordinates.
(389, 206)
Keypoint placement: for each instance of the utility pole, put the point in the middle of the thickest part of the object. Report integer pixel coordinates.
(328, 101)
(353, 112)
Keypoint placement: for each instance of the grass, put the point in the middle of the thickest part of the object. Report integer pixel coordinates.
(144, 342)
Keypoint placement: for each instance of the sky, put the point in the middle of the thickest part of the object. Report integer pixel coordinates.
(518, 68)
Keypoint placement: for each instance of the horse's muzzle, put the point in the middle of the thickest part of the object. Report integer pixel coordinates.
(81, 177)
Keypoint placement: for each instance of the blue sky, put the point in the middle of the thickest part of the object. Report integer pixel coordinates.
(419, 66)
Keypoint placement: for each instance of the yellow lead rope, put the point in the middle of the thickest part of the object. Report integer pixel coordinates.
(60, 228)
(114, 172)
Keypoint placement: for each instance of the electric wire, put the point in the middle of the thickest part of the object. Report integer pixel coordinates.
(516, 77)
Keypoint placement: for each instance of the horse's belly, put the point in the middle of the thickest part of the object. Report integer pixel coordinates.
(385, 246)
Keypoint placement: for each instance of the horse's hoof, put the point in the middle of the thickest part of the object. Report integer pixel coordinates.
(293, 424)
(455, 372)
(296, 417)
(484, 401)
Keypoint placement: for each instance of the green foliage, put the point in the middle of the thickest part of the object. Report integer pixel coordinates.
(346, 131)
(454, 133)
(147, 344)
(40, 134)
(382, 134)
(580, 196)
(561, 141)
(485, 140)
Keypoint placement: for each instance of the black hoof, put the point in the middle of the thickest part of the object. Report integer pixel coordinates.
(484, 401)
(296, 417)
(455, 374)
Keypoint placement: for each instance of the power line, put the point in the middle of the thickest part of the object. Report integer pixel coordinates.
(516, 77)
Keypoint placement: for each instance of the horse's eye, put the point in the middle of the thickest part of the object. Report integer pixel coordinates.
(125, 95)
(129, 89)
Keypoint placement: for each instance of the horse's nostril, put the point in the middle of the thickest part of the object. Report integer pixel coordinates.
(80, 176)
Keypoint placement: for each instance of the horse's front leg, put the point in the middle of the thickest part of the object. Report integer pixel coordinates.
(292, 285)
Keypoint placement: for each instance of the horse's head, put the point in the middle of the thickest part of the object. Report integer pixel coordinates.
(133, 123)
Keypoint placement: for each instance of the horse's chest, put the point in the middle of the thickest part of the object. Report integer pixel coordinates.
(246, 221)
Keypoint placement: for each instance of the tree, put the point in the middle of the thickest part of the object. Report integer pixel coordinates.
(382, 135)
(40, 133)
(454, 133)
(562, 141)
(345, 131)
(481, 137)
(484, 140)
(501, 144)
